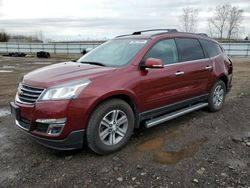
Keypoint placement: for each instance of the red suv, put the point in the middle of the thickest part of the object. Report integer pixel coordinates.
(145, 78)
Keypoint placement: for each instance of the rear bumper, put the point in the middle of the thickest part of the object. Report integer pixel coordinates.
(73, 141)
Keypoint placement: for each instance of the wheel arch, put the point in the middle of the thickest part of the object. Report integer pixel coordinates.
(123, 95)
(224, 79)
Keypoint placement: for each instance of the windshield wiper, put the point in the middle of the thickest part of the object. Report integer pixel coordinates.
(93, 63)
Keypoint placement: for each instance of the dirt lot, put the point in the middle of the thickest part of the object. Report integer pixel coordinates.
(200, 149)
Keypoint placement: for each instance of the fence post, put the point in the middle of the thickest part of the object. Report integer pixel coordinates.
(7, 47)
(67, 48)
(248, 49)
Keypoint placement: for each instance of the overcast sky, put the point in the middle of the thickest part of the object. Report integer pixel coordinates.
(76, 19)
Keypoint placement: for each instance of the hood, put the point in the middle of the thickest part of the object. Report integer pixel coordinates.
(63, 72)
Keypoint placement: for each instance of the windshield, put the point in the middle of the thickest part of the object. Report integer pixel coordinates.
(117, 52)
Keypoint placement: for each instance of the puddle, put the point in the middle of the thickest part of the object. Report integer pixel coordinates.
(157, 143)
(4, 112)
(173, 157)
(6, 70)
(8, 67)
(151, 145)
(161, 155)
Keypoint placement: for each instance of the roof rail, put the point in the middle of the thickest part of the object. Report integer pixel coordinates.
(149, 30)
(123, 35)
(202, 34)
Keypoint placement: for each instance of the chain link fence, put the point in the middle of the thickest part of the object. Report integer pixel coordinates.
(232, 49)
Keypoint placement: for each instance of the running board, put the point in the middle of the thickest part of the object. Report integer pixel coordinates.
(172, 115)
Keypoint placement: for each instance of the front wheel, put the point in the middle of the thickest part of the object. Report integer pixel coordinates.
(217, 96)
(110, 126)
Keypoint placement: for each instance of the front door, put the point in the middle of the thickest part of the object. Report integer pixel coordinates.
(160, 87)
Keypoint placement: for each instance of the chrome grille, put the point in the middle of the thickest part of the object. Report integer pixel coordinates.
(27, 94)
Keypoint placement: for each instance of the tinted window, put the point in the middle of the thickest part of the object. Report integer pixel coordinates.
(212, 49)
(164, 50)
(189, 49)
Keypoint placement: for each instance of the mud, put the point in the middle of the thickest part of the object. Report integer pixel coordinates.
(160, 155)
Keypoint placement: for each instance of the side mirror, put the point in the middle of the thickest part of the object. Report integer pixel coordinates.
(153, 63)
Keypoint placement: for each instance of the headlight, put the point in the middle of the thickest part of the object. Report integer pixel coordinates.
(65, 91)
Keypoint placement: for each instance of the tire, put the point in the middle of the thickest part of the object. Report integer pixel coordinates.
(217, 96)
(106, 136)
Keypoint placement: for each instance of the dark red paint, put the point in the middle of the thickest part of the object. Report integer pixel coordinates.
(148, 89)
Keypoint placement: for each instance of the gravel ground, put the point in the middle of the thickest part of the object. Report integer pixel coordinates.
(200, 149)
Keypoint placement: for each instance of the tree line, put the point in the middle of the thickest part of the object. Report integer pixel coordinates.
(4, 37)
(225, 22)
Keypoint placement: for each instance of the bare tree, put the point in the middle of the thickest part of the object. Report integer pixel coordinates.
(219, 20)
(234, 21)
(226, 21)
(210, 29)
(189, 19)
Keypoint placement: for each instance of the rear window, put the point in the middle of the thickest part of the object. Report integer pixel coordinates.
(189, 49)
(212, 49)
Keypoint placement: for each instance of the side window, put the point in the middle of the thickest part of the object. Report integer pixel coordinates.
(211, 48)
(165, 50)
(189, 49)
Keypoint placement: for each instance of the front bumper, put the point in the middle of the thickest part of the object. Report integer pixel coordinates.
(73, 140)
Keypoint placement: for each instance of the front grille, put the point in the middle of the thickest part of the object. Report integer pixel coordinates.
(27, 94)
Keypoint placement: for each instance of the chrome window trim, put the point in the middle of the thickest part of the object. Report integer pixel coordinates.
(214, 57)
(187, 62)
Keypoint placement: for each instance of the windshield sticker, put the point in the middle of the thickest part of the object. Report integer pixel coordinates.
(138, 42)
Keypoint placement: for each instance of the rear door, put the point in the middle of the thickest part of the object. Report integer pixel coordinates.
(195, 68)
(215, 53)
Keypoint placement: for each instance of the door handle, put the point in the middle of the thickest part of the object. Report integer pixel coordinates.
(178, 73)
(208, 67)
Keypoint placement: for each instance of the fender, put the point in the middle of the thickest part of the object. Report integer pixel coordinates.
(117, 94)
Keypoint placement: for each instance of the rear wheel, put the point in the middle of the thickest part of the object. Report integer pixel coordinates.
(217, 96)
(110, 126)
